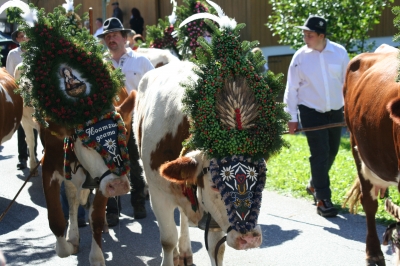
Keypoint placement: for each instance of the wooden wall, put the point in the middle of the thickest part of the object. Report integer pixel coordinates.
(254, 13)
(147, 8)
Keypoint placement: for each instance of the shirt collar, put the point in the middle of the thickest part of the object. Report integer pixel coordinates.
(129, 53)
(328, 47)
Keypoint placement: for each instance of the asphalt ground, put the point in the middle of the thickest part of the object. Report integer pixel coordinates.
(293, 234)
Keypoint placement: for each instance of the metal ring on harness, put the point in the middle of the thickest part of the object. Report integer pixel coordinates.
(91, 183)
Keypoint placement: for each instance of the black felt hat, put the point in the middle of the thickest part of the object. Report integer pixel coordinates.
(315, 23)
(112, 25)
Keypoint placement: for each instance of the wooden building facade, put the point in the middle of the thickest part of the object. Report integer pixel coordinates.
(254, 13)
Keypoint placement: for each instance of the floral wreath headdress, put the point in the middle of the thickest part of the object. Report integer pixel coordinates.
(58, 45)
(162, 35)
(183, 42)
(233, 116)
(188, 33)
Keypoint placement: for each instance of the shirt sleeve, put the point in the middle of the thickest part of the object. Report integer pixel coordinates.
(291, 91)
(10, 63)
(147, 65)
(345, 63)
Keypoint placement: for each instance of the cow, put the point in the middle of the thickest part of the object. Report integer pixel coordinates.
(157, 57)
(160, 126)
(372, 113)
(29, 125)
(10, 106)
(392, 233)
(53, 174)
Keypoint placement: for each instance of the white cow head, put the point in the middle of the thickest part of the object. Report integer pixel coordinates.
(111, 185)
(233, 200)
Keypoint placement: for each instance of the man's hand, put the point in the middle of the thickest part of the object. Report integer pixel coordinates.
(293, 127)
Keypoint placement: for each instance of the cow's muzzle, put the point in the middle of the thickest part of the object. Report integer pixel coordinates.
(239, 241)
(111, 186)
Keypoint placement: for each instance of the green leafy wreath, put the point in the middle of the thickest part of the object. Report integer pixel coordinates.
(213, 126)
(58, 39)
(188, 34)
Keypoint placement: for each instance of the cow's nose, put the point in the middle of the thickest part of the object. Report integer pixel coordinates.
(243, 231)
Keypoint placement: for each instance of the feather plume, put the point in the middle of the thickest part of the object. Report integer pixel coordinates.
(223, 20)
(172, 17)
(217, 8)
(69, 5)
(28, 14)
(236, 104)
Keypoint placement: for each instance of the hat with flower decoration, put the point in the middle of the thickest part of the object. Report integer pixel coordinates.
(315, 23)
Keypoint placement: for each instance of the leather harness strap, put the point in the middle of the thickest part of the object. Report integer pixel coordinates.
(219, 243)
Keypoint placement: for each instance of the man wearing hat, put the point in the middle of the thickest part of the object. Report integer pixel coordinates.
(14, 57)
(117, 12)
(134, 66)
(314, 88)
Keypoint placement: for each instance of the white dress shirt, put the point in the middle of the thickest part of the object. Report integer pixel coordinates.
(14, 57)
(315, 79)
(134, 66)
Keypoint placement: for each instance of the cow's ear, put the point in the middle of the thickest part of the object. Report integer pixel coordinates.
(126, 109)
(181, 171)
(393, 108)
(127, 106)
(60, 132)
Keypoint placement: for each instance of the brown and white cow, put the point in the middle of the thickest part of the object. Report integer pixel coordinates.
(372, 113)
(160, 127)
(29, 124)
(10, 106)
(157, 57)
(53, 174)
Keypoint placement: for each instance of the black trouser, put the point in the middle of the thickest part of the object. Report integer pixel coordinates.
(324, 146)
(22, 146)
(136, 174)
(136, 179)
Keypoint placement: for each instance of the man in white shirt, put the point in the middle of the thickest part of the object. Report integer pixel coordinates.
(314, 88)
(134, 66)
(99, 26)
(14, 57)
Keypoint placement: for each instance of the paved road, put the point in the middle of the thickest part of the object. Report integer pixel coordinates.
(293, 234)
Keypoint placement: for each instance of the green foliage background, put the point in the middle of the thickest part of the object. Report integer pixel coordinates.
(348, 20)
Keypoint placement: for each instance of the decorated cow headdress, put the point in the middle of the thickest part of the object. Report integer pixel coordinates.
(161, 35)
(182, 41)
(233, 116)
(67, 81)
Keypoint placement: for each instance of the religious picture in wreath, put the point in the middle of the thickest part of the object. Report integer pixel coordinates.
(74, 86)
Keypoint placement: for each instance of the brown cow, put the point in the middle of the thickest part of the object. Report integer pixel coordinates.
(53, 174)
(372, 113)
(160, 127)
(10, 106)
